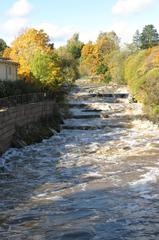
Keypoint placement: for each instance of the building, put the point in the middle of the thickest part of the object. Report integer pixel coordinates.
(8, 70)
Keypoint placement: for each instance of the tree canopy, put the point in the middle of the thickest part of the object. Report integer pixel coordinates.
(95, 56)
(74, 46)
(3, 46)
(25, 46)
(149, 37)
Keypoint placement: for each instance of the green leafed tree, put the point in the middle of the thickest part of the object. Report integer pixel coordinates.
(45, 69)
(137, 40)
(149, 37)
(74, 46)
(3, 46)
(116, 66)
(69, 66)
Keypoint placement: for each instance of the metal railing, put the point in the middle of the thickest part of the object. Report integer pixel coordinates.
(25, 99)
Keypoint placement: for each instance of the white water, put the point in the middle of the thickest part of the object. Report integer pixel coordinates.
(97, 179)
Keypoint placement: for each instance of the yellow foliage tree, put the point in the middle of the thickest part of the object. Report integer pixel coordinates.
(107, 42)
(95, 57)
(25, 46)
(89, 59)
(6, 53)
(46, 70)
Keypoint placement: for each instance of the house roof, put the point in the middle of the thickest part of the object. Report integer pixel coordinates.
(8, 61)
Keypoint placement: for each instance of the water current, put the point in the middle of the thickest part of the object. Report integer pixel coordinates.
(96, 179)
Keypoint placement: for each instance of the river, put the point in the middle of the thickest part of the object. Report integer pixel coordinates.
(97, 179)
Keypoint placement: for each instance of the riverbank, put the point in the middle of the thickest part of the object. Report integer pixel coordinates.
(37, 131)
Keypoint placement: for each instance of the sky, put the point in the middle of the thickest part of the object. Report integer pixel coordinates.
(60, 19)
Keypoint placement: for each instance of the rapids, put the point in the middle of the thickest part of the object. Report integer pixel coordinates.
(97, 179)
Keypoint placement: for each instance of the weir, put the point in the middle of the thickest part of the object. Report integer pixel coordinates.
(96, 179)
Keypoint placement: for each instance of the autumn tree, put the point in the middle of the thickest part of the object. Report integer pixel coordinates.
(95, 57)
(116, 66)
(6, 52)
(46, 69)
(106, 43)
(25, 46)
(89, 59)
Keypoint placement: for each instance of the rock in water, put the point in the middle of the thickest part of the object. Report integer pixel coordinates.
(104, 115)
(78, 235)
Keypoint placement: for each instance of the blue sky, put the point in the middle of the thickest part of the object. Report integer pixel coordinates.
(61, 18)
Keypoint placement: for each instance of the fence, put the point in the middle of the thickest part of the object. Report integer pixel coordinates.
(25, 99)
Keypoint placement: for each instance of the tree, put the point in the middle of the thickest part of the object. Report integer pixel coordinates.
(137, 40)
(45, 68)
(3, 46)
(142, 75)
(74, 46)
(89, 59)
(116, 66)
(69, 66)
(25, 46)
(95, 57)
(106, 43)
(6, 52)
(149, 37)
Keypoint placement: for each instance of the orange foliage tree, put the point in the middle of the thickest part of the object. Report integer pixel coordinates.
(95, 57)
(89, 59)
(25, 46)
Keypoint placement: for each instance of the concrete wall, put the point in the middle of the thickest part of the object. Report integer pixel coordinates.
(19, 116)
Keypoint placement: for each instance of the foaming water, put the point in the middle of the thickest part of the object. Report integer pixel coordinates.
(96, 179)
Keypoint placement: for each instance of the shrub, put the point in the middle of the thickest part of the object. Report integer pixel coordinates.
(19, 87)
(142, 74)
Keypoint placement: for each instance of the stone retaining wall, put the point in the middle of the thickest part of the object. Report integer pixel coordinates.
(19, 116)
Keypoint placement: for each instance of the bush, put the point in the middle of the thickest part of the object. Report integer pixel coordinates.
(101, 69)
(116, 66)
(19, 87)
(142, 74)
(106, 78)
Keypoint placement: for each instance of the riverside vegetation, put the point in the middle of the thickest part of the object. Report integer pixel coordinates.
(44, 67)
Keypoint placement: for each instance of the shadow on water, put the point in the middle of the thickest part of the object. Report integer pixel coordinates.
(97, 213)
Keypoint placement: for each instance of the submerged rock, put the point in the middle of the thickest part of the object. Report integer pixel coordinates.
(126, 148)
(78, 235)
(104, 115)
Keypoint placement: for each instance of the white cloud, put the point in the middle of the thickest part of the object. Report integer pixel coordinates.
(59, 35)
(20, 8)
(89, 36)
(123, 30)
(130, 6)
(15, 25)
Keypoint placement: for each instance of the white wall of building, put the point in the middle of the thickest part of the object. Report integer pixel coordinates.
(8, 71)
